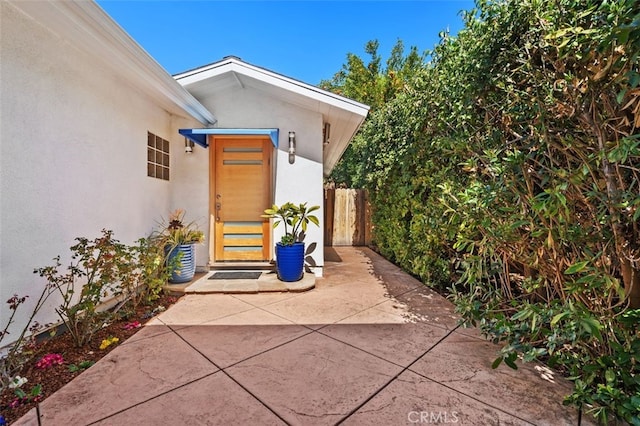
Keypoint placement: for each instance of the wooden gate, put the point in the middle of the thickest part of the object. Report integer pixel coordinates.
(347, 217)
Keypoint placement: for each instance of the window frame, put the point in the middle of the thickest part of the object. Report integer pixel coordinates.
(158, 157)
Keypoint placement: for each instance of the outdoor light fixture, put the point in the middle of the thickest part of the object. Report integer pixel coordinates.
(325, 134)
(188, 146)
(292, 147)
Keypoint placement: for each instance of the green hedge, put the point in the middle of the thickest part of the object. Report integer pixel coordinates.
(510, 166)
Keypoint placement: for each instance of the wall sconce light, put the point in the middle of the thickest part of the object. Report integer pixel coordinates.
(325, 134)
(292, 147)
(188, 146)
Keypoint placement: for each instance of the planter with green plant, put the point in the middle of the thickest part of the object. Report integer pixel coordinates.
(178, 240)
(290, 250)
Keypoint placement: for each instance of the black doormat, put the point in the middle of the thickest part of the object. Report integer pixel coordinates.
(236, 275)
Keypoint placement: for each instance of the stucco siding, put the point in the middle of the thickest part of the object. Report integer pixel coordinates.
(244, 107)
(72, 155)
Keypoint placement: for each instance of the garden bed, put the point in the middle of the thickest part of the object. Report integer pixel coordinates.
(54, 377)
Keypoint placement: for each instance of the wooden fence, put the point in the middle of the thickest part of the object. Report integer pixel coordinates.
(347, 216)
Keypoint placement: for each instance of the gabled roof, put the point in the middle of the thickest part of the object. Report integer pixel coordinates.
(85, 26)
(344, 115)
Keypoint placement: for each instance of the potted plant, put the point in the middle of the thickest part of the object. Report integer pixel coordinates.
(290, 250)
(178, 240)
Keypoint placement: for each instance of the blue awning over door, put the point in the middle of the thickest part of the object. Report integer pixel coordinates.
(199, 136)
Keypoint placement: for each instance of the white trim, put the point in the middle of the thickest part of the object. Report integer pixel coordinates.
(234, 65)
(84, 25)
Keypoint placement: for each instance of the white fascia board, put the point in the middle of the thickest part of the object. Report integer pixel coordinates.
(274, 79)
(336, 150)
(86, 26)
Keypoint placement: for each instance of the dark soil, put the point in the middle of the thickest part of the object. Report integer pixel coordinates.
(53, 378)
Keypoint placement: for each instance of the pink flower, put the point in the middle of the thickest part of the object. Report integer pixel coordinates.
(132, 325)
(49, 360)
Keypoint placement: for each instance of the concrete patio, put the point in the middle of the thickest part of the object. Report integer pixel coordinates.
(368, 345)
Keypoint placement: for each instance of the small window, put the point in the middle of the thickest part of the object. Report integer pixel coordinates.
(157, 157)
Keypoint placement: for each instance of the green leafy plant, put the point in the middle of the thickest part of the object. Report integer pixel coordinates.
(508, 166)
(152, 271)
(102, 268)
(295, 219)
(95, 273)
(176, 232)
(21, 350)
(22, 397)
(169, 236)
(82, 365)
(143, 274)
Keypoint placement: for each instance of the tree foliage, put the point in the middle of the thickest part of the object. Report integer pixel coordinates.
(373, 85)
(509, 164)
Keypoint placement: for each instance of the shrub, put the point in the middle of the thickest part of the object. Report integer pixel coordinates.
(101, 268)
(514, 173)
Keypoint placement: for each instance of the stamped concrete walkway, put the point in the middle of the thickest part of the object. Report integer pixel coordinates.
(368, 346)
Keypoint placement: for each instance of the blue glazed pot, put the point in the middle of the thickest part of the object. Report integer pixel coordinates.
(290, 261)
(186, 267)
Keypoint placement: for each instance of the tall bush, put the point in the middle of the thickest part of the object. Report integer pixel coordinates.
(510, 166)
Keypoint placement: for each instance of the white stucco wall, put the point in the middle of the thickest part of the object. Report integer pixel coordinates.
(243, 107)
(73, 155)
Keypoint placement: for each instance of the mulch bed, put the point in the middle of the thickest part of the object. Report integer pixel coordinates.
(53, 378)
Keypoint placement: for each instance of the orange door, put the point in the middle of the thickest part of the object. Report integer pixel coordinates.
(241, 192)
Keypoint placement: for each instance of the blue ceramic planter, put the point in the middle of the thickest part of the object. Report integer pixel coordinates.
(290, 261)
(186, 267)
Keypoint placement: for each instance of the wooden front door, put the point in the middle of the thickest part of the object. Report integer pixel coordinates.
(241, 191)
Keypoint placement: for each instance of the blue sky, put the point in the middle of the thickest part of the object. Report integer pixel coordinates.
(305, 40)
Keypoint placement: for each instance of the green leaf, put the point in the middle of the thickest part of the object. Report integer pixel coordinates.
(634, 78)
(620, 96)
(558, 317)
(510, 360)
(610, 376)
(576, 267)
(591, 326)
(496, 363)
(519, 223)
(523, 314)
(534, 322)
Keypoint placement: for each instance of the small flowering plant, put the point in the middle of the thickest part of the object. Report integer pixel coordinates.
(132, 325)
(108, 342)
(17, 382)
(22, 397)
(49, 360)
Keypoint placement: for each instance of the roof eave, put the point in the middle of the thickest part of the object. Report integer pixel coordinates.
(87, 27)
(234, 65)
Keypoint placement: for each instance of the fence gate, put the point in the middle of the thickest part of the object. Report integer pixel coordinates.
(347, 216)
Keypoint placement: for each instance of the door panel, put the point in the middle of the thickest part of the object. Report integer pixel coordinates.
(242, 189)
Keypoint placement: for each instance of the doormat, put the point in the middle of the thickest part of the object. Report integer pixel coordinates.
(236, 275)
